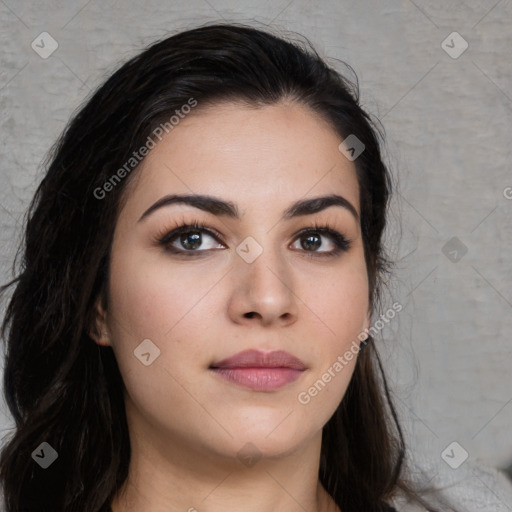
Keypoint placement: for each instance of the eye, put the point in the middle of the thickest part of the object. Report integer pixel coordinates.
(311, 240)
(190, 238)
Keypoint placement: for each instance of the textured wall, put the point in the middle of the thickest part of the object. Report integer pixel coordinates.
(447, 112)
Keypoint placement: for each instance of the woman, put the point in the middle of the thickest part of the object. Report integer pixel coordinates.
(192, 326)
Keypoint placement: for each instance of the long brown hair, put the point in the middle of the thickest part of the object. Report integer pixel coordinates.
(62, 388)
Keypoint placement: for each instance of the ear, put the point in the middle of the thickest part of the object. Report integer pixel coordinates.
(98, 326)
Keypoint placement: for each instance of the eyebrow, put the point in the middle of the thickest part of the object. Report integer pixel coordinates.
(219, 207)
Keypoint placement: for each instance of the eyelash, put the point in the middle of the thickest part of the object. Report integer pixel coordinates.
(164, 239)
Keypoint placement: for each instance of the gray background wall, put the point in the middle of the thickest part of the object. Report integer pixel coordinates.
(448, 121)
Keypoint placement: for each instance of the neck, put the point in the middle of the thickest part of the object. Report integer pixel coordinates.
(172, 475)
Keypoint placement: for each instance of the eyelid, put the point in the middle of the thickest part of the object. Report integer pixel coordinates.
(182, 225)
(166, 236)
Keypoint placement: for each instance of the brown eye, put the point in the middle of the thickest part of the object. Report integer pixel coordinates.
(191, 241)
(312, 241)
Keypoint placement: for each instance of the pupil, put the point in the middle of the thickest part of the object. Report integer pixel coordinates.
(314, 245)
(196, 240)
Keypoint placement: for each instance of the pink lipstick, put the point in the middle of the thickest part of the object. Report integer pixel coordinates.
(260, 371)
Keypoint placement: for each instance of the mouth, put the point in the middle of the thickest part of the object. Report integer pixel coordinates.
(260, 371)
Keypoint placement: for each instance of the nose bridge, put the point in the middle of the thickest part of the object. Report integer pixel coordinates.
(263, 262)
(263, 277)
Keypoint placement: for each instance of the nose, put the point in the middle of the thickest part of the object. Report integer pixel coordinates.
(263, 291)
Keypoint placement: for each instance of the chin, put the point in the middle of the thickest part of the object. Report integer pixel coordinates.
(278, 440)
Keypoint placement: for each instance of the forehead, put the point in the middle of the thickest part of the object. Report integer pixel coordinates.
(254, 156)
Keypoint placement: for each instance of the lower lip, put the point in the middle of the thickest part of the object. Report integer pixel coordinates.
(259, 379)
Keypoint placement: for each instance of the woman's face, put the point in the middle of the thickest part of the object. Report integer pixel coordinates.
(249, 280)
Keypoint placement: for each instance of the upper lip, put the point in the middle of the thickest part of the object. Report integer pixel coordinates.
(259, 359)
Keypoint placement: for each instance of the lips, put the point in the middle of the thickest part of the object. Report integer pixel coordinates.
(260, 371)
(257, 359)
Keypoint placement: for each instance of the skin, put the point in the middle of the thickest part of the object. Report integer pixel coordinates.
(187, 424)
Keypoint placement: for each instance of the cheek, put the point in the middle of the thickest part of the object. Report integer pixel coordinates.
(155, 300)
(340, 315)
(322, 392)
(339, 305)
(170, 307)
(146, 304)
